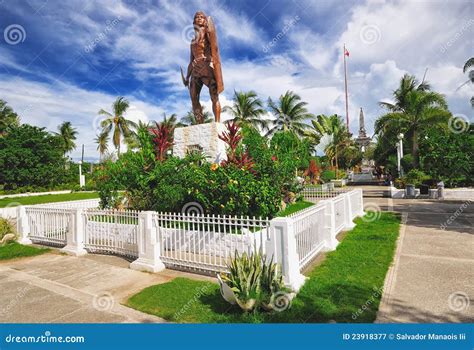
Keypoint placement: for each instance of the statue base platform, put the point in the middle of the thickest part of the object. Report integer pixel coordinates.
(201, 138)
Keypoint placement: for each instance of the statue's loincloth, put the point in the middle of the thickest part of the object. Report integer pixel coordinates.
(203, 70)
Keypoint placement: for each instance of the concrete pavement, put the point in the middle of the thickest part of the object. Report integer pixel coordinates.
(57, 288)
(432, 277)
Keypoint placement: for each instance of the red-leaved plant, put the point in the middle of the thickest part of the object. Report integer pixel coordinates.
(162, 140)
(232, 138)
(312, 171)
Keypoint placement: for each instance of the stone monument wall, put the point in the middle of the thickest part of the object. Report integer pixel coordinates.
(202, 137)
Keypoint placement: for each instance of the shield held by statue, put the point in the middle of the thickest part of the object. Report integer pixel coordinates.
(216, 58)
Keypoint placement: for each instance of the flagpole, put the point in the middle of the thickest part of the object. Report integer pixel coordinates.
(345, 87)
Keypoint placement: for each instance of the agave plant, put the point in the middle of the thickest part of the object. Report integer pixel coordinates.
(244, 279)
(253, 280)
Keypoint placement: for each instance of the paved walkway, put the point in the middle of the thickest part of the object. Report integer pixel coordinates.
(432, 278)
(58, 288)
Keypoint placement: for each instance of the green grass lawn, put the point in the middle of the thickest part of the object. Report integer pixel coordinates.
(293, 208)
(16, 250)
(350, 278)
(47, 198)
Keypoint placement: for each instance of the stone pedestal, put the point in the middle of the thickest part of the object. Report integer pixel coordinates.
(201, 137)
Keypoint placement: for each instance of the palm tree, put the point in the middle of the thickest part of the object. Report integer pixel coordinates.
(290, 114)
(102, 141)
(132, 140)
(8, 118)
(335, 127)
(414, 108)
(469, 63)
(467, 67)
(190, 119)
(247, 109)
(117, 122)
(67, 134)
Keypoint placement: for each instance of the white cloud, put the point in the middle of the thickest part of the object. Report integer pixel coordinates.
(46, 105)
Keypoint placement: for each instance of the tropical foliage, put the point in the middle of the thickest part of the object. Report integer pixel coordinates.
(414, 109)
(8, 118)
(247, 110)
(67, 135)
(290, 114)
(116, 123)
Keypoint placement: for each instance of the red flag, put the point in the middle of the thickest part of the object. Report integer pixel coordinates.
(346, 53)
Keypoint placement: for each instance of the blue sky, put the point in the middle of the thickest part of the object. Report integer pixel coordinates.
(64, 60)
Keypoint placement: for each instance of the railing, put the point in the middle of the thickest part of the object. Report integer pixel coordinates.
(49, 226)
(11, 212)
(111, 232)
(309, 226)
(206, 242)
(315, 194)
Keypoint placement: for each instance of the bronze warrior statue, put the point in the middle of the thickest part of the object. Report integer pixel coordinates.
(204, 66)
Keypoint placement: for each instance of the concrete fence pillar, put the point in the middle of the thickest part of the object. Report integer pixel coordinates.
(75, 234)
(149, 246)
(282, 246)
(22, 225)
(360, 198)
(348, 216)
(329, 225)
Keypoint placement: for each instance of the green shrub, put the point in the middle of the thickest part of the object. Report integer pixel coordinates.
(415, 177)
(328, 175)
(407, 163)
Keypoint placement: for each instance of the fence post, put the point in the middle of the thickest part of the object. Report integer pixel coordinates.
(348, 223)
(282, 246)
(75, 234)
(22, 225)
(329, 225)
(360, 198)
(149, 246)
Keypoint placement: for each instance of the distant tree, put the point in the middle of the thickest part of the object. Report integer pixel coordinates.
(116, 123)
(102, 141)
(67, 134)
(8, 118)
(415, 108)
(30, 156)
(290, 114)
(467, 68)
(190, 119)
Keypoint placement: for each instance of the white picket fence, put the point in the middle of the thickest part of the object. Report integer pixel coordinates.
(11, 211)
(206, 241)
(198, 242)
(111, 232)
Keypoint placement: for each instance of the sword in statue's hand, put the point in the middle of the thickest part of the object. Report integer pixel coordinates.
(185, 82)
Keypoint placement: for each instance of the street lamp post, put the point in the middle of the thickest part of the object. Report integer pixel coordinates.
(400, 153)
